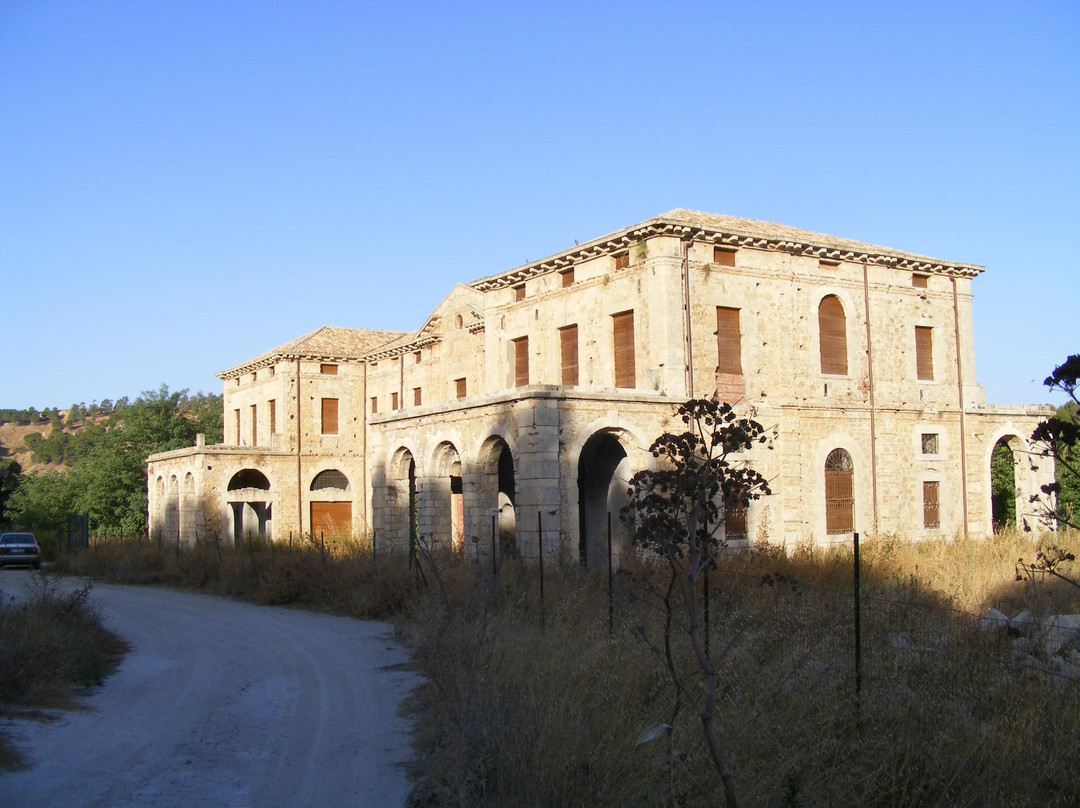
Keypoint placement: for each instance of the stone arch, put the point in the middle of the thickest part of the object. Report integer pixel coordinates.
(1007, 481)
(189, 510)
(400, 523)
(250, 505)
(330, 505)
(171, 527)
(442, 511)
(157, 523)
(497, 489)
(604, 469)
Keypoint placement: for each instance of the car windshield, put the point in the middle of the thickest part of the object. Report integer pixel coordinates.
(17, 538)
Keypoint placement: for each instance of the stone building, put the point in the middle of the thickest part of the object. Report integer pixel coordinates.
(528, 398)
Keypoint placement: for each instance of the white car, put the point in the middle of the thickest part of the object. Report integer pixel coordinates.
(19, 549)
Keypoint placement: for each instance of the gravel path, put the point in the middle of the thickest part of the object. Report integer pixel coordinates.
(225, 704)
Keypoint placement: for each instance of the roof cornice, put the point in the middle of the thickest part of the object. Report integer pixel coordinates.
(744, 235)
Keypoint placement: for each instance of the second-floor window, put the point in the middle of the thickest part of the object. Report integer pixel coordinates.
(273, 416)
(924, 353)
(459, 388)
(330, 416)
(623, 339)
(728, 341)
(568, 354)
(521, 362)
(254, 425)
(832, 333)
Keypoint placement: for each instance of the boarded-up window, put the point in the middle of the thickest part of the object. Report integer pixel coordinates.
(460, 388)
(728, 341)
(521, 362)
(568, 354)
(567, 277)
(832, 330)
(329, 416)
(254, 425)
(519, 292)
(417, 357)
(931, 508)
(839, 493)
(622, 260)
(924, 352)
(416, 397)
(374, 404)
(331, 518)
(273, 416)
(723, 256)
(919, 281)
(394, 403)
(329, 370)
(734, 522)
(623, 332)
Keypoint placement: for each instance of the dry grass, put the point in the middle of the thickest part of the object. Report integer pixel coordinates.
(530, 703)
(51, 640)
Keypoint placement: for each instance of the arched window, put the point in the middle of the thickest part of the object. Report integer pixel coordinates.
(839, 493)
(331, 478)
(832, 333)
(249, 478)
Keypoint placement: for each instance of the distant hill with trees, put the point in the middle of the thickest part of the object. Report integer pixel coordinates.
(92, 459)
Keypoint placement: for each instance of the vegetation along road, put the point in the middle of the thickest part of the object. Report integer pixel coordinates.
(221, 703)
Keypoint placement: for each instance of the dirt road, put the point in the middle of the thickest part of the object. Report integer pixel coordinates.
(225, 704)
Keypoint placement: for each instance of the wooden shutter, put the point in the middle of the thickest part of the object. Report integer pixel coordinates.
(329, 416)
(723, 257)
(924, 352)
(567, 277)
(237, 414)
(931, 508)
(273, 416)
(460, 388)
(832, 329)
(919, 281)
(374, 405)
(519, 292)
(328, 370)
(394, 401)
(254, 424)
(521, 362)
(728, 341)
(622, 260)
(416, 397)
(568, 351)
(623, 329)
(331, 518)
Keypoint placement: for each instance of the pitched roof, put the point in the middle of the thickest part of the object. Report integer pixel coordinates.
(734, 231)
(327, 342)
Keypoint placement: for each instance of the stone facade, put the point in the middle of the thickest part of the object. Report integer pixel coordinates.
(519, 410)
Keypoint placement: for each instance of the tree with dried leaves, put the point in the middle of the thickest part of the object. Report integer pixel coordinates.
(677, 511)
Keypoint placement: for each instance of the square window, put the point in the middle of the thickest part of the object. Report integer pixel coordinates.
(567, 276)
(930, 443)
(919, 281)
(723, 256)
(622, 260)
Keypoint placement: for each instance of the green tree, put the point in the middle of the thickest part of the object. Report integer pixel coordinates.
(1058, 437)
(10, 474)
(676, 511)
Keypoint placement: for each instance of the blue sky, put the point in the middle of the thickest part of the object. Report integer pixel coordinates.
(186, 185)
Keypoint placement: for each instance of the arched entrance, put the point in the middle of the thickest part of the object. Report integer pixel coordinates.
(839, 493)
(603, 481)
(498, 489)
(251, 510)
(401, 513)
(331, 513)
(1004, 460)
(447, 525)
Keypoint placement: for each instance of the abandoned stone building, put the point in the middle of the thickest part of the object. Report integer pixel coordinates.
(528, 398)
